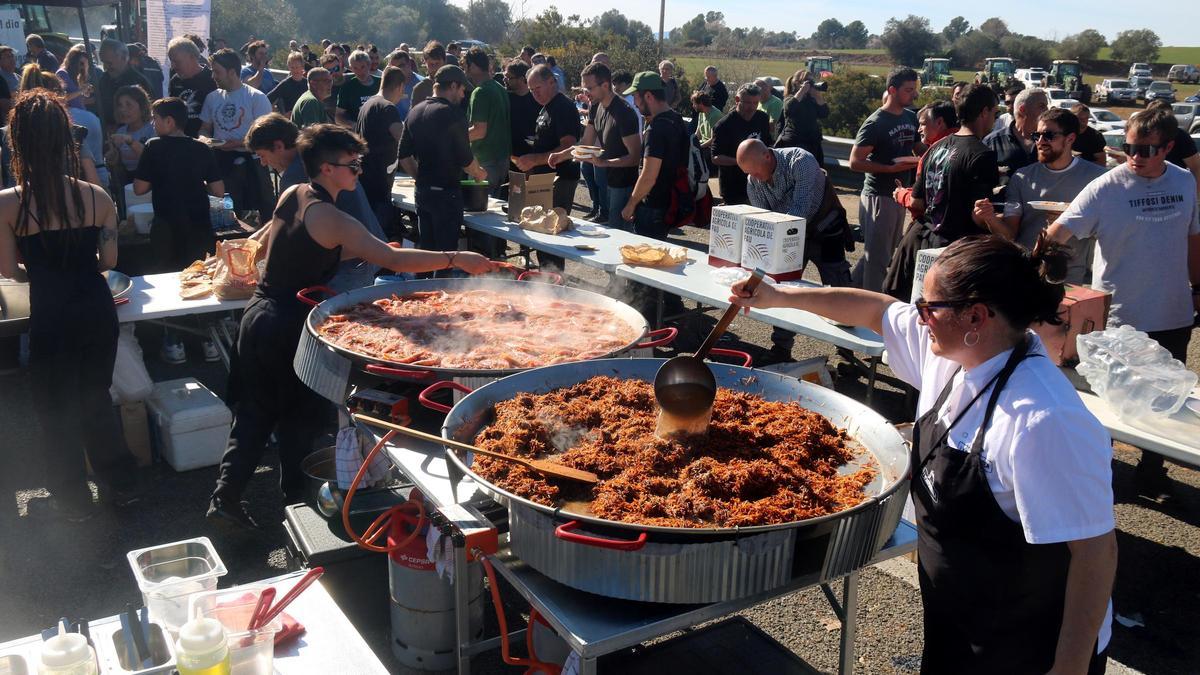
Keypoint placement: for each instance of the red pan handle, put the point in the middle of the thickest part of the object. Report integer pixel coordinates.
(302, 294)
(747, 360)
(423, 397)
(659, 338)
(399, 372)
(554, 277)
(566, 533)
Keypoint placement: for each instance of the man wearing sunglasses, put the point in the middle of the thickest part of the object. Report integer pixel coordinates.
(1058, 176)
(1144, 218)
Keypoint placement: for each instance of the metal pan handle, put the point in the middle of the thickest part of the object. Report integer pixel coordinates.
(566, 533)
(423, 397)
(302, 294)
(747, 360)
(659, 338)
(554, 277)
(375, 369)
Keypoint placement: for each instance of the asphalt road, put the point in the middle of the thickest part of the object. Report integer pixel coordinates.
(50, 567)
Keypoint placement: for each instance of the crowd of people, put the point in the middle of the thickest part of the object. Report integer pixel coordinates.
(310, 159)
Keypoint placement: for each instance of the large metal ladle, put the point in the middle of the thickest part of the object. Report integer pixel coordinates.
(684, 386)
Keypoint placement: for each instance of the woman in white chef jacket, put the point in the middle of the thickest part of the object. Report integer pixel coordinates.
(1016, 548)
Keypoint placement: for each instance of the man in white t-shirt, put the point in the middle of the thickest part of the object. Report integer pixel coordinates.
(1143, 215)
(227, 116)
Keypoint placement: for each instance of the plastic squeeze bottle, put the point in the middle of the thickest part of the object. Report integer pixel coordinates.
(202, 648)
(68, 654)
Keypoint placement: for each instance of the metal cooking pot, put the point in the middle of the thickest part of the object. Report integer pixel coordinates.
(694, 565)
(312, 363)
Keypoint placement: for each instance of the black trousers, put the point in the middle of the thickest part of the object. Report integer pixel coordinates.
(1175, 341)
(439, 221)
(270, 398)
(70, 369)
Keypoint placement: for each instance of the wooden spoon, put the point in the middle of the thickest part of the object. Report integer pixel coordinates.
(548, 469)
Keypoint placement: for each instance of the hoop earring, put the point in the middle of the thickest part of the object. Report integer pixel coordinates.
(971, 338)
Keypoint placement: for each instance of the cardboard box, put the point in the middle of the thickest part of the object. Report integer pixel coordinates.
(925, 259)
(137, 431)
(529, 190)
(725, 234)
(1083, 310)
(774, 242)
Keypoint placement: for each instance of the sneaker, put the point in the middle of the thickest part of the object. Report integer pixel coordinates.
(600, 218)
(211, 353)
(72, 510)
(173, 353)
(221, 509)
(589, 215)
(1154, 484)
(123, 494)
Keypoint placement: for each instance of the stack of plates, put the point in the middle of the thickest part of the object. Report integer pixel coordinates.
(586, 151)
(1056, 207)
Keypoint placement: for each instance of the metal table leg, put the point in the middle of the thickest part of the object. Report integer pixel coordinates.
(658, 309)
(462, 600)
(849, 610)
(587, 666)
(874, 360)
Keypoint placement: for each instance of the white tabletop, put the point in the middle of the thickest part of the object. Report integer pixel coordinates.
(156, 296)
(1177, 436)
(693, 280)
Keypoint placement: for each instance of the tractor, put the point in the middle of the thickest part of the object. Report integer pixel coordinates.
(820, 67)
(1069, 76)
(936, 73)
(998, 73)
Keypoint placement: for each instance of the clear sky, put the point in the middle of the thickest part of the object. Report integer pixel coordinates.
(1175, 21)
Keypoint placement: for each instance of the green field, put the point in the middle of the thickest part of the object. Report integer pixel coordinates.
(1170, 55)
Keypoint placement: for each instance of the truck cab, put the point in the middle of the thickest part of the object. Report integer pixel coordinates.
(820, 67)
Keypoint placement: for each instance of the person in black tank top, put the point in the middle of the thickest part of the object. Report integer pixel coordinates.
(307, 238)
(60, 225)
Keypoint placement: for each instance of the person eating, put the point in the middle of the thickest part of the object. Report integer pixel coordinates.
(1011, 475)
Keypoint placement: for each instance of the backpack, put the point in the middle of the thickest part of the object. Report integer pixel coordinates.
(690, 185)
(830, 219)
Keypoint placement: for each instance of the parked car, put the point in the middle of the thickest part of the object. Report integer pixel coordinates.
(1194, 98)
(1031, 77)
(1064, 103)
(1188, 116)
(1056, 93)
(1116, 91)
(1139, 69)
(1102, 120)
(1160, 90)
(1184, 73)
(1140, 84)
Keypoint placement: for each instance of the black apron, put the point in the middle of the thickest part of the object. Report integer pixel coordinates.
(993, 602)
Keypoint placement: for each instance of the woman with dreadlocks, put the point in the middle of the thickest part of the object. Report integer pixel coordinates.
(65, 231)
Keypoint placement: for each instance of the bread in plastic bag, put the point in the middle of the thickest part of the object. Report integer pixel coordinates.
(236, 275)
(1134, 374)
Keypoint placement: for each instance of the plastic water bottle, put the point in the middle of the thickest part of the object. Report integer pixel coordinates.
(228, 202)
(202, 648)
(67, 654)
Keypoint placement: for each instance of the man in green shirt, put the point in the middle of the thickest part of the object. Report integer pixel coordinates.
(489, 133)
(770, 104)
(356, 89)
(707, 116)
(309, 109)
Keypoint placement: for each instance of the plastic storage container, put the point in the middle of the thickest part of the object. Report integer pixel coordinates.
(191, 422)
(170, 574)
(142, 216)
(132, 199)
(251, 652)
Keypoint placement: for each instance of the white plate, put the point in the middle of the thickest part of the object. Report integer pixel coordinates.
(591, 231)
(1049, 206)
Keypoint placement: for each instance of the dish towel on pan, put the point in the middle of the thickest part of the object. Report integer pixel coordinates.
(350, 454)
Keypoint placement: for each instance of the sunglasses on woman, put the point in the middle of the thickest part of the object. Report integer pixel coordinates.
(354, 165)
(926, 308)
(1145, 150)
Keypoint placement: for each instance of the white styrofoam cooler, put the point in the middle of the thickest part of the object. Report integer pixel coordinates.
(725, 234)
(925, 258)
(774, 242)
(191, 422)
(132, 199)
